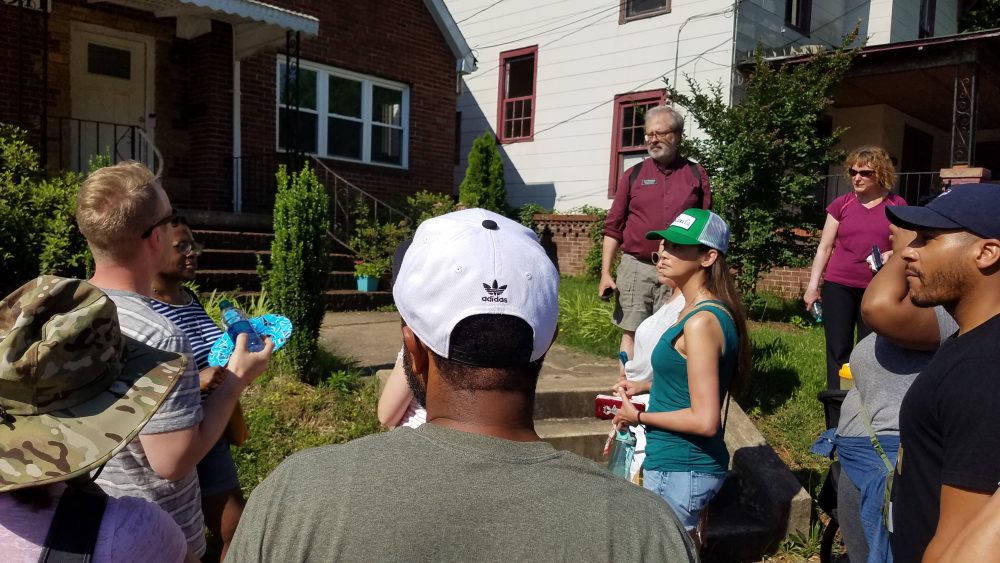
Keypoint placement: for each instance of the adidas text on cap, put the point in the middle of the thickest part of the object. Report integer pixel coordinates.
(476, 262)
(972, 207)
(696, 226)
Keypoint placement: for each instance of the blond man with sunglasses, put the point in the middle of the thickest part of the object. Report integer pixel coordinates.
(125, 215)
(855, 224)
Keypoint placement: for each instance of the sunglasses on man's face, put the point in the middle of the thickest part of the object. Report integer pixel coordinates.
(187, 247)
(173, 218)
(863, 173)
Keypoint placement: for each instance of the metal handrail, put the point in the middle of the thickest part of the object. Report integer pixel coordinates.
(157, 155)
(72, 139)
(343, 193)
(911, 186)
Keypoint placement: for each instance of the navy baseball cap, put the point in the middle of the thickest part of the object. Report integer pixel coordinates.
(973, 207)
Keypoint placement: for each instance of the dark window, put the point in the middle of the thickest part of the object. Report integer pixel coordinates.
(516, 103)
(638, 9)
(628, 138)
(109, 61)
(928, 9)
(297, 127)
(798, 14)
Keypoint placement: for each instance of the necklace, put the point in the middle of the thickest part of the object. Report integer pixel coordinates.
(694, 301)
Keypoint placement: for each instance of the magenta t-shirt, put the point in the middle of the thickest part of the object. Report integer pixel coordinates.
(860, 228)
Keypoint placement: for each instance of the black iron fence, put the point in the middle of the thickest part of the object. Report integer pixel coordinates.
(74, 143)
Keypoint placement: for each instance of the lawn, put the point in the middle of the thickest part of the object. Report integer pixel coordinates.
(788, 369)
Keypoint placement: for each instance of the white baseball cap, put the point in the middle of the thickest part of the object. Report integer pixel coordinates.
(476, 262)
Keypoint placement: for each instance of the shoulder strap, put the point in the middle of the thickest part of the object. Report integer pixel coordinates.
(73, 533)
(871, 434)
(696, 172)
(632, 175)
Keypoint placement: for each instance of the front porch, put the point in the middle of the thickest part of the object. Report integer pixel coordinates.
(156, 81)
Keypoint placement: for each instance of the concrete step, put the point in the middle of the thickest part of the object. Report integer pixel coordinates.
(582, 436)
(732, 534)
(246, 280)
(246, 240)
(565, 396)
(353, 300)
(227, 259)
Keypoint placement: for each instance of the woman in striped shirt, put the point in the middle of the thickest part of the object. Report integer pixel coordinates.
(221, 499)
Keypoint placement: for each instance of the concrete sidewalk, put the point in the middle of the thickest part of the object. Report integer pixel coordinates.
(373, 340)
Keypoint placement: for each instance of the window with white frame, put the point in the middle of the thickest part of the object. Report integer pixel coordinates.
(345, 115)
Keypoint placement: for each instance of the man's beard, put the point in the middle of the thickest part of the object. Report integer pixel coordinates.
(419, 393)
(940, 288)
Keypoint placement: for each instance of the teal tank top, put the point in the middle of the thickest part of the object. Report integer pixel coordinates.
(675, 451)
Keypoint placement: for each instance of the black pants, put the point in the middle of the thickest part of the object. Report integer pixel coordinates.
(841, 316)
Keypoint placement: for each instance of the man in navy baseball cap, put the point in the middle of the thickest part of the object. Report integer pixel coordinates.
(949, 454)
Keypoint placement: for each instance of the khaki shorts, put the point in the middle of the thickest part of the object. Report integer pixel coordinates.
(639, 293)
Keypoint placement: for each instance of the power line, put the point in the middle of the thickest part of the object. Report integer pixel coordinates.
(520, 39)
(633, 89)
(479, 12)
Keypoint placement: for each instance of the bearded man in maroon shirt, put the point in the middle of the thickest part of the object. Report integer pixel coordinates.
(649, 197)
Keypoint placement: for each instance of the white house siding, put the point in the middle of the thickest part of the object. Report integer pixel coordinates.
(585, 58)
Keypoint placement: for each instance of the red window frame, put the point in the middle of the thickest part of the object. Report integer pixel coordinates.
(513, 108)
(624, 18)
(647, 98)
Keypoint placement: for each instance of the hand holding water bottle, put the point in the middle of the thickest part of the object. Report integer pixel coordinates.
(251, 354)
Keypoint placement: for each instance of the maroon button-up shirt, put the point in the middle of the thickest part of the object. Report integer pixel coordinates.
(658, 195)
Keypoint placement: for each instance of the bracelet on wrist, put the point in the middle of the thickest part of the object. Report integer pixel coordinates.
(638, 418)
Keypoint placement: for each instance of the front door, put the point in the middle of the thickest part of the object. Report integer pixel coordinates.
(111, 95)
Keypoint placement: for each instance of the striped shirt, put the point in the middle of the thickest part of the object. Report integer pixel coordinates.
(129, 472)
(195, 323)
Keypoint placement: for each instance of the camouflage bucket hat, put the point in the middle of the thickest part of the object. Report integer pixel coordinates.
(73, 390)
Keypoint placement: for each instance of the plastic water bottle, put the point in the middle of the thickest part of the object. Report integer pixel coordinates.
(817, 312)
(622, 452)
(236, 323)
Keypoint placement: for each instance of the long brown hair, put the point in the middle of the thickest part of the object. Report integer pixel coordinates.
(721, 283)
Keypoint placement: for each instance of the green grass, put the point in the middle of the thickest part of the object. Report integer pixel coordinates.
(285, 415)
(789, 359)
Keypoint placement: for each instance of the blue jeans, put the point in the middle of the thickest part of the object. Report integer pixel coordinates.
(867, 471)
(687, 492)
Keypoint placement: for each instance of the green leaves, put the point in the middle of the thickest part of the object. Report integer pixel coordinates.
(38, 233)
(483, 185)
(766, 157)
(300, 262)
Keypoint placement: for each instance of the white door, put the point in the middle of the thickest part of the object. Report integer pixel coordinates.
(111, 95)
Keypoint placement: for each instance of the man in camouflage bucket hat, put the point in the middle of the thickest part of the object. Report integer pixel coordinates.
(73, 390)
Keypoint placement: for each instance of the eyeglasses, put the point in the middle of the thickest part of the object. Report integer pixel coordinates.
(661, 135)
(173, 218)
(187, 247)
(655, 257)
(863, 173)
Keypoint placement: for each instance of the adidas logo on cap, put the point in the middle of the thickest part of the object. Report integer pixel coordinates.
(494, 292)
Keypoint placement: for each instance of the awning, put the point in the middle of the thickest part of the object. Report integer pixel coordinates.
(257, 25)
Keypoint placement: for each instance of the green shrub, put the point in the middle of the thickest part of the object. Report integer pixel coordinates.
(38, 233)
(425, 204)
(372, 269)
(300, 263)
(373, 241)
(526, 213)
(592, 261)
(483, 185)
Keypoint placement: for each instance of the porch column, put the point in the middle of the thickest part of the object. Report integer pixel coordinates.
(963, 118)
(964, 174)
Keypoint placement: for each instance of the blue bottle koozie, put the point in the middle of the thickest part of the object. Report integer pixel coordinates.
(236, 323)
(622, 452)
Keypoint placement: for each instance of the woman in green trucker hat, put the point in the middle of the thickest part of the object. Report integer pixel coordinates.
(74, 391)
(698, 360)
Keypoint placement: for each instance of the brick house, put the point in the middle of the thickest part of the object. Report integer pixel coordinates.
(370, 94)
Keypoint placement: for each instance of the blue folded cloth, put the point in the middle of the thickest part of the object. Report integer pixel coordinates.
(824, 445)
(276, 327)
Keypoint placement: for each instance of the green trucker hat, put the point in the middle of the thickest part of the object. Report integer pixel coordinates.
(74, 390)
(696, 226)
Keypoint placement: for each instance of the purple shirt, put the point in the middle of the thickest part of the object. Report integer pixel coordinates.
(658, 195)
(860, 228)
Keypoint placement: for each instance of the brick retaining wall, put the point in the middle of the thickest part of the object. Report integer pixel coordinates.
(565, 238)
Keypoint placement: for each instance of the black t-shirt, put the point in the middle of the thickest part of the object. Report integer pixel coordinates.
(949, 428)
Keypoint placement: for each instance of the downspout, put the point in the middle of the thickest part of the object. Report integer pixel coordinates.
(237, 164)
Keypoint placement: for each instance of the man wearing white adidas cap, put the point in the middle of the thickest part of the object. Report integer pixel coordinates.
(479, 301)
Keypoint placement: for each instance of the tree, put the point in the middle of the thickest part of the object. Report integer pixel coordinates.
(483, 185)
(765, 157)
(300, 263)
(986, 15)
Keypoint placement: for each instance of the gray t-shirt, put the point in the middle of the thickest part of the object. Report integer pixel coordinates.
(882, 373)
(435, 494)
(129, 473)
